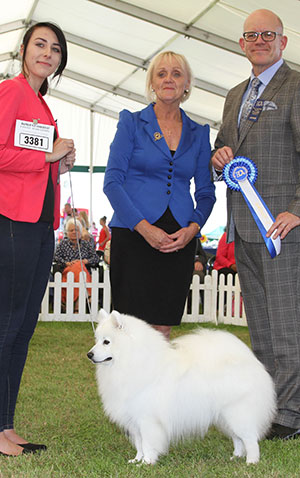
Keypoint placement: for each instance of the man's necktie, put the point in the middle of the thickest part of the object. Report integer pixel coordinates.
(250, 101)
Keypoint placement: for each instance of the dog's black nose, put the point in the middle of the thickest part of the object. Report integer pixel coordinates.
(90, 355)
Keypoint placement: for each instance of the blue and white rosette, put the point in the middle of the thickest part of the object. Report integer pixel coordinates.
(240, 175)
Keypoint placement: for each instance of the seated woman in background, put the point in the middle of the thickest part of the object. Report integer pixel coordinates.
(225, 258)
(106, 255)
(68, 257)
(225, 263)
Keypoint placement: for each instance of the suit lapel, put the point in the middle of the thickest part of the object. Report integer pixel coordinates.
(187, 135)
(276, 83)
(153, 130)
(235, 114)
(267, 95)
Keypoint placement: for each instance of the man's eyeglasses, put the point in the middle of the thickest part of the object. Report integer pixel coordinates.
(266, 36)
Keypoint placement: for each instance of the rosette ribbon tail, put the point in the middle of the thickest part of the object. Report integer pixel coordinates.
(240, 174)
(261, 215)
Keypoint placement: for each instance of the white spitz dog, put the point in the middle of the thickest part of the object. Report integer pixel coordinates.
(160, 391)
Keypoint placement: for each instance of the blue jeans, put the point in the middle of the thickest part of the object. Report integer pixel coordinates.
(26, 253)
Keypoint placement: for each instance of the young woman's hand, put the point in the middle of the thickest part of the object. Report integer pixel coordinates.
(61, 148)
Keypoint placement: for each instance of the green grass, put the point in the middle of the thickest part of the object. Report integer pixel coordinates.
(58, 405)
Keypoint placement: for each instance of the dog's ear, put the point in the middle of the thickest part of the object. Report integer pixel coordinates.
(102, 315)
(117, 319)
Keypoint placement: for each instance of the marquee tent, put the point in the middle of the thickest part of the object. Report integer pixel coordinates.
(110, 44)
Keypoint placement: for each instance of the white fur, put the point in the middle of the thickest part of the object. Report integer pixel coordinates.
(159, 392)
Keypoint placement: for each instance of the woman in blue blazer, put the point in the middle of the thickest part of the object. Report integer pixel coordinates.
(154, 156)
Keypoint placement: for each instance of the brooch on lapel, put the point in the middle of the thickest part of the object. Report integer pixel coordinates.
(157, 136)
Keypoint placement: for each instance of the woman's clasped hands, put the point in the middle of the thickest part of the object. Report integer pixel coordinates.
(180, 238)
(163, 242)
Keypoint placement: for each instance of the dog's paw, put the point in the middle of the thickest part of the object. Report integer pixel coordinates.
(238, 454)
(252, 461)
(137, 459)
(235, 457)
(148, 460)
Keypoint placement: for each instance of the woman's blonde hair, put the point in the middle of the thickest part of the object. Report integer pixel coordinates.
(169, 55)
(83, 215)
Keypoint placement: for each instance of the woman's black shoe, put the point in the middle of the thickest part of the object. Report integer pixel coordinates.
(32, 447)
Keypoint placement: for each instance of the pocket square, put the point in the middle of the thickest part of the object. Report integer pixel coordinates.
(269, 105)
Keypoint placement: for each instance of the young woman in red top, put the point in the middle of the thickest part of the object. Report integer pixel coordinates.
(29, 210)
(104, 235)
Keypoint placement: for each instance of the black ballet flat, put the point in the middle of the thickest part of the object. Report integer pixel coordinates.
(32, 447)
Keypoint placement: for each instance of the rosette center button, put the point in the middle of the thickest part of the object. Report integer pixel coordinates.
(240, 173)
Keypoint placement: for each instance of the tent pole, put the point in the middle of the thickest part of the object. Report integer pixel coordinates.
(91, 164)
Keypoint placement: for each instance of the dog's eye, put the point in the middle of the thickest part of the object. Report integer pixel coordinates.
(106, 342)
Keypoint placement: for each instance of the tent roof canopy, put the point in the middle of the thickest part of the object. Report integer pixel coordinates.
(111, 42)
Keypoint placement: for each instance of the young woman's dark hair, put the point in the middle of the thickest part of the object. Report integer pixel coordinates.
(63, 45)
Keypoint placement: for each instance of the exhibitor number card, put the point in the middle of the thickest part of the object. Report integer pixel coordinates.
(34, 135)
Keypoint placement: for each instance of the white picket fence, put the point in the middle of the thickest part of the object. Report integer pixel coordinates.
(222, 301)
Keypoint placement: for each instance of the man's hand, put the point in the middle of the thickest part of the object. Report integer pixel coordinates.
(284, 223)
(198, 266)
(221, 157)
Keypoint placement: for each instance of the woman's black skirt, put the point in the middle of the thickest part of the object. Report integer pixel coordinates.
(146, 283)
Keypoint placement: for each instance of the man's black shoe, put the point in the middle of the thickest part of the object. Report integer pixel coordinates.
(282, 432)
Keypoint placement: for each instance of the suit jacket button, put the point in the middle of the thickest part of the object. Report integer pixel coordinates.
(168, 192)
(169, 177)
(169, 184)
(171, 163)
(171, 170)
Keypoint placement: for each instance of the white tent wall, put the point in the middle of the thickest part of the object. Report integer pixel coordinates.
(73, 122)
(104, 132)
(93, 131)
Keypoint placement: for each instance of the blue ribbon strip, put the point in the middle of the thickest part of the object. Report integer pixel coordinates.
(239, 175)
